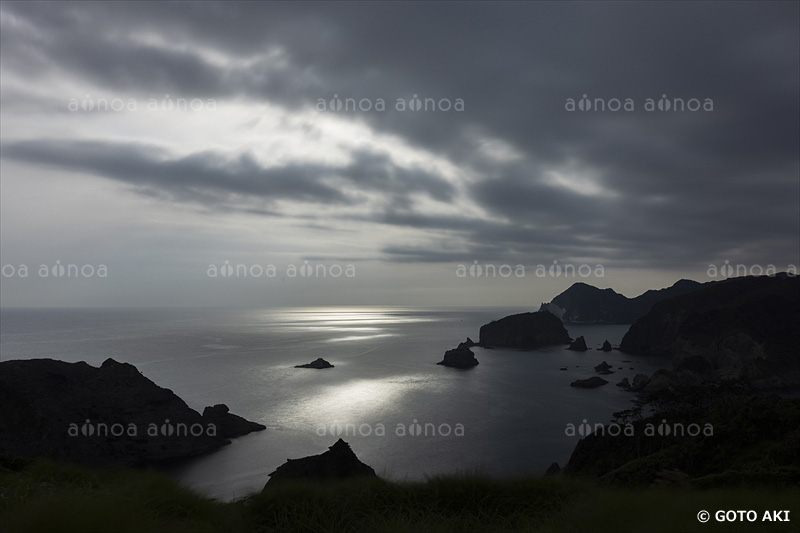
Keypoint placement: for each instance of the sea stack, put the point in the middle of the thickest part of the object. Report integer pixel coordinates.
(525, 330)
(578, 345)
(460, 357)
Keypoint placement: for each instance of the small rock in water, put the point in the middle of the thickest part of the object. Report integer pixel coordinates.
(319, 363)
(590, 383)
(602, 367)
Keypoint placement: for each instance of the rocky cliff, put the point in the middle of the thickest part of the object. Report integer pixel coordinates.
(525, 330)
(745, 327)
(339, 462)
(583, 303)
(715, 434)
(107, 415)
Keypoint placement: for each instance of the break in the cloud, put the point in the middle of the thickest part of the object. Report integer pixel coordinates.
(258, 166)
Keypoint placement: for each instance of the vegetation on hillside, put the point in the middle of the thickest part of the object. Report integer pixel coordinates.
(41, 496)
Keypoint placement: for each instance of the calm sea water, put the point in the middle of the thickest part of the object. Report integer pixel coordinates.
(513, 407)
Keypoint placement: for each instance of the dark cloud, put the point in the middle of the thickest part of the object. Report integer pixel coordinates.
(208, 176)
(666, 188)
(152, 168)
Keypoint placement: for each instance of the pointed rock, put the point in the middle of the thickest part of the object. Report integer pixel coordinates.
(602, 367)
(578, 345)
(460, 357)
(339, 462)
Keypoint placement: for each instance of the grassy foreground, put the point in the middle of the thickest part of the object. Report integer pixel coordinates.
(41, 496)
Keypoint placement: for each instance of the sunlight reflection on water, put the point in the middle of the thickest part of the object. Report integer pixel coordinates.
(340, 318)
(356, 401)
(360, 337)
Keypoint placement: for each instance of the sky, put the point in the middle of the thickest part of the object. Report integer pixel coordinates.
(397, 154)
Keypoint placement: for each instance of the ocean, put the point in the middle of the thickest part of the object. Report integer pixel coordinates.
(402, 414)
